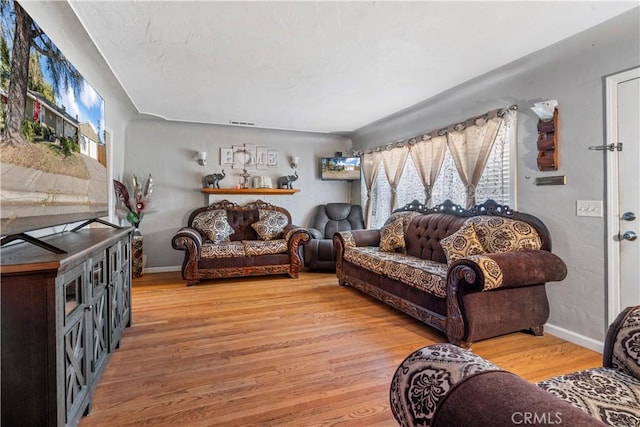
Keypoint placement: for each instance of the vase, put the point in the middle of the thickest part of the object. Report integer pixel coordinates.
(137, 252)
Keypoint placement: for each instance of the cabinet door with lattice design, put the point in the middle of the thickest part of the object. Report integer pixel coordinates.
(75, 343)
(114, 292)
(125, 273)
(99, 313)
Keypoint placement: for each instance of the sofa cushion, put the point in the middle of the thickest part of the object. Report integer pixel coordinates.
(270, 225)
(222, 250)
(426, 275)
(499, 234)
(213, 225)
(264, 247)
(368, 257)
(392, 237)
(606, 394)
(462, 243)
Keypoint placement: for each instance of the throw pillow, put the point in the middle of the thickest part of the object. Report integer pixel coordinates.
(462, 243)
(392, 237)
(497, 234)
(271, 224)
(213, 225)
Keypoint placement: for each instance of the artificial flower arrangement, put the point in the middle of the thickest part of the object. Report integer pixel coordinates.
(132, 205)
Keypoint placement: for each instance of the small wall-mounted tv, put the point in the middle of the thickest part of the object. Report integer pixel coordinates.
(340, 168)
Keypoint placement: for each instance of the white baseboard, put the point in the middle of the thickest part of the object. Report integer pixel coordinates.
(575, 338)
(162, 269)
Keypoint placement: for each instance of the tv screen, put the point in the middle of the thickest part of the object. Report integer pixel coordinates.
(53, 155)
(340, 168)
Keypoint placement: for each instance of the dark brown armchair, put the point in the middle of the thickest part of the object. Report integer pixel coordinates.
(327, 220)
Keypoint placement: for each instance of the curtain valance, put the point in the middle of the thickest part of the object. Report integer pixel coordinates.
(456, 127)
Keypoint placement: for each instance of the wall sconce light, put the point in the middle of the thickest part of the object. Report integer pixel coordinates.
(201, 158)
(547, 112)
(545, 109)
(294, 162)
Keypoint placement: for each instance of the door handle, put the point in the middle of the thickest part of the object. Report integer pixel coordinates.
(629, 235)
(628, 216)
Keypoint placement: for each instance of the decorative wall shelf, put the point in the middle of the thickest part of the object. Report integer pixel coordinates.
(548, 143)
(263, 191)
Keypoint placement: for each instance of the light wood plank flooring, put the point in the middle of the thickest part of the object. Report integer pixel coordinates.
(274, 351)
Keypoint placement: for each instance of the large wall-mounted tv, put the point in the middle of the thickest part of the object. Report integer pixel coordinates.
(53, 155)
(340, 168)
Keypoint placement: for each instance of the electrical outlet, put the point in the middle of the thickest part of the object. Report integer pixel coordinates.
(589, 208)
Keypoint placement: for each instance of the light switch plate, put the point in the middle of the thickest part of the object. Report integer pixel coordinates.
(589, 208)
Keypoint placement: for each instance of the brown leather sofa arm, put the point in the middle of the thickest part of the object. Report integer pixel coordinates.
(503, 399)
(190, 241)
(490, 272)
(360, 237)
(523, 268)
(187, 238)
(295, 236)
(426, 376)
(445, 385)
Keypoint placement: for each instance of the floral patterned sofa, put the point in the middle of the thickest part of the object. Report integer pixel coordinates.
(225, 239)
(473, 274)
(444, 385)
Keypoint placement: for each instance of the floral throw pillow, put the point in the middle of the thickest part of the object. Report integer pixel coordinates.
(392, 237)
(270, 225)
(213, 225)
(462, 243)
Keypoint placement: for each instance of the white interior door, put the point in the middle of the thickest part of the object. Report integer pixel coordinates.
(623, 119)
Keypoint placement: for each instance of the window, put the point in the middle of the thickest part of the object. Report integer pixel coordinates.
(496, 182)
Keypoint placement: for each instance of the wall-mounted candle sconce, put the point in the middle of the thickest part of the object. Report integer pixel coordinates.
(294, 162)
(547, 112)
(201, 158)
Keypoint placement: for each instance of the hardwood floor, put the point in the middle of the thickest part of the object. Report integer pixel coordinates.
(275, 351)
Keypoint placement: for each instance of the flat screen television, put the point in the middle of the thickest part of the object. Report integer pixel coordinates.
(340, 168)
(54, 169)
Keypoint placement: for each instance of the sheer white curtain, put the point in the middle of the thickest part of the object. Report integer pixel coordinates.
(470, 147)
(393, 161)
(427, 156)
(448, 186)
(495, 180)
(370, 170)
(410, 187)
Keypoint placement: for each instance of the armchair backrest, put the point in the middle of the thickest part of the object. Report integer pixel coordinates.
(334, 217)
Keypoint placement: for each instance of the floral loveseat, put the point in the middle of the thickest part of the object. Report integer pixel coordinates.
(473, 274)
(225, 239)
(444, 385)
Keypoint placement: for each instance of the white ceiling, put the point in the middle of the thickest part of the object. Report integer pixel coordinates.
(315, 66)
